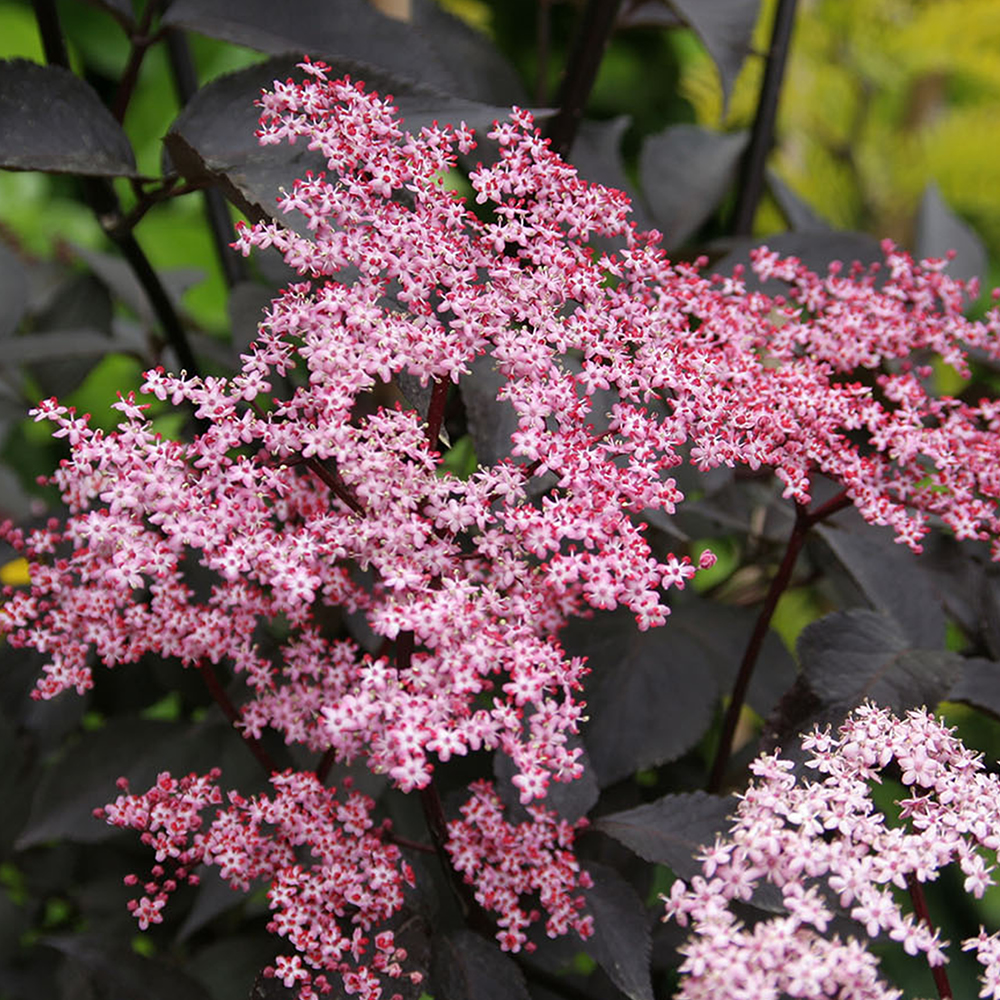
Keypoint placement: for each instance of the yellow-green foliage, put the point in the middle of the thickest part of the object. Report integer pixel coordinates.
(880, 97)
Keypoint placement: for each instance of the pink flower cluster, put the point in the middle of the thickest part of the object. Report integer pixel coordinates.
(356, 879)
(506, 862)
(310, 486)
(829, 850)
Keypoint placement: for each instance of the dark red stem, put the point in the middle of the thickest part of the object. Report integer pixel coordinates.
(916, 891)
(804, 520)
(337, 485)
(435, 412)
(232, 713)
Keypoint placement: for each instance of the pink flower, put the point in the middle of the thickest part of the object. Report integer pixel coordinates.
(832, 824)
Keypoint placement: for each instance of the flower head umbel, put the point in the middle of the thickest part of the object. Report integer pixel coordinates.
(823, 843)
(312, 495)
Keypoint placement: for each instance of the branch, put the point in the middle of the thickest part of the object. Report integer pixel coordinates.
(762, 137)
(100, 196)
(919, 901)
(592, 39)
(804, 520)
(182, 67)
(232, 713)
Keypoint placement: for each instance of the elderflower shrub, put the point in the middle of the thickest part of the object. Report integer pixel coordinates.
(824, 844)
(303, 492)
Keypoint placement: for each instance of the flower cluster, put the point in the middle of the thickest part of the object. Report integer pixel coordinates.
(356, 878)
(829, 850)
(506, 862)
(310, 486)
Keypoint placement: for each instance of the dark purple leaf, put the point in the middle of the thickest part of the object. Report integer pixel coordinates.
(685, 171)
(53, 344)
(717, 635)
(491, 421)
(245, 308)
(477, 68)
(651, 694)
(889, 576)
(467, 967)
(621, 944)
(978, 685)
(850, 656)
(671, 830)
(939, 230)
(726, 28)
(116, 971)
(354, 31)
(52, 120)
(597, 156)
(84, 776)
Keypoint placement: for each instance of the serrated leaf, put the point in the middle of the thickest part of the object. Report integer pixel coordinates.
(726, 28)
(939, 230)
(850, 656)
(685, 171)
(650, 699)
(478, 69)
(467, 967)
(213, 137)
(51, 120)
(889, 576)
(622, 943)
(671, 830)
(978, 685)
(116, 971)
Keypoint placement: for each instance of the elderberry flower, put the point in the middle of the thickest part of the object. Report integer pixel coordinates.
(800, 835)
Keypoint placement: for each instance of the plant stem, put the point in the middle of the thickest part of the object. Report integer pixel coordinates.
(804, 520)
(592, 37)
(435, 412)
(762, 136)
(232, 713)
(919, 901)
(220, 224)
(141, 41)
(100, 196)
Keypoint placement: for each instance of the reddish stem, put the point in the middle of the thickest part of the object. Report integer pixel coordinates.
(435, 412)
(332, 479)
(916, 891)
(804, 520)
(232, 713)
